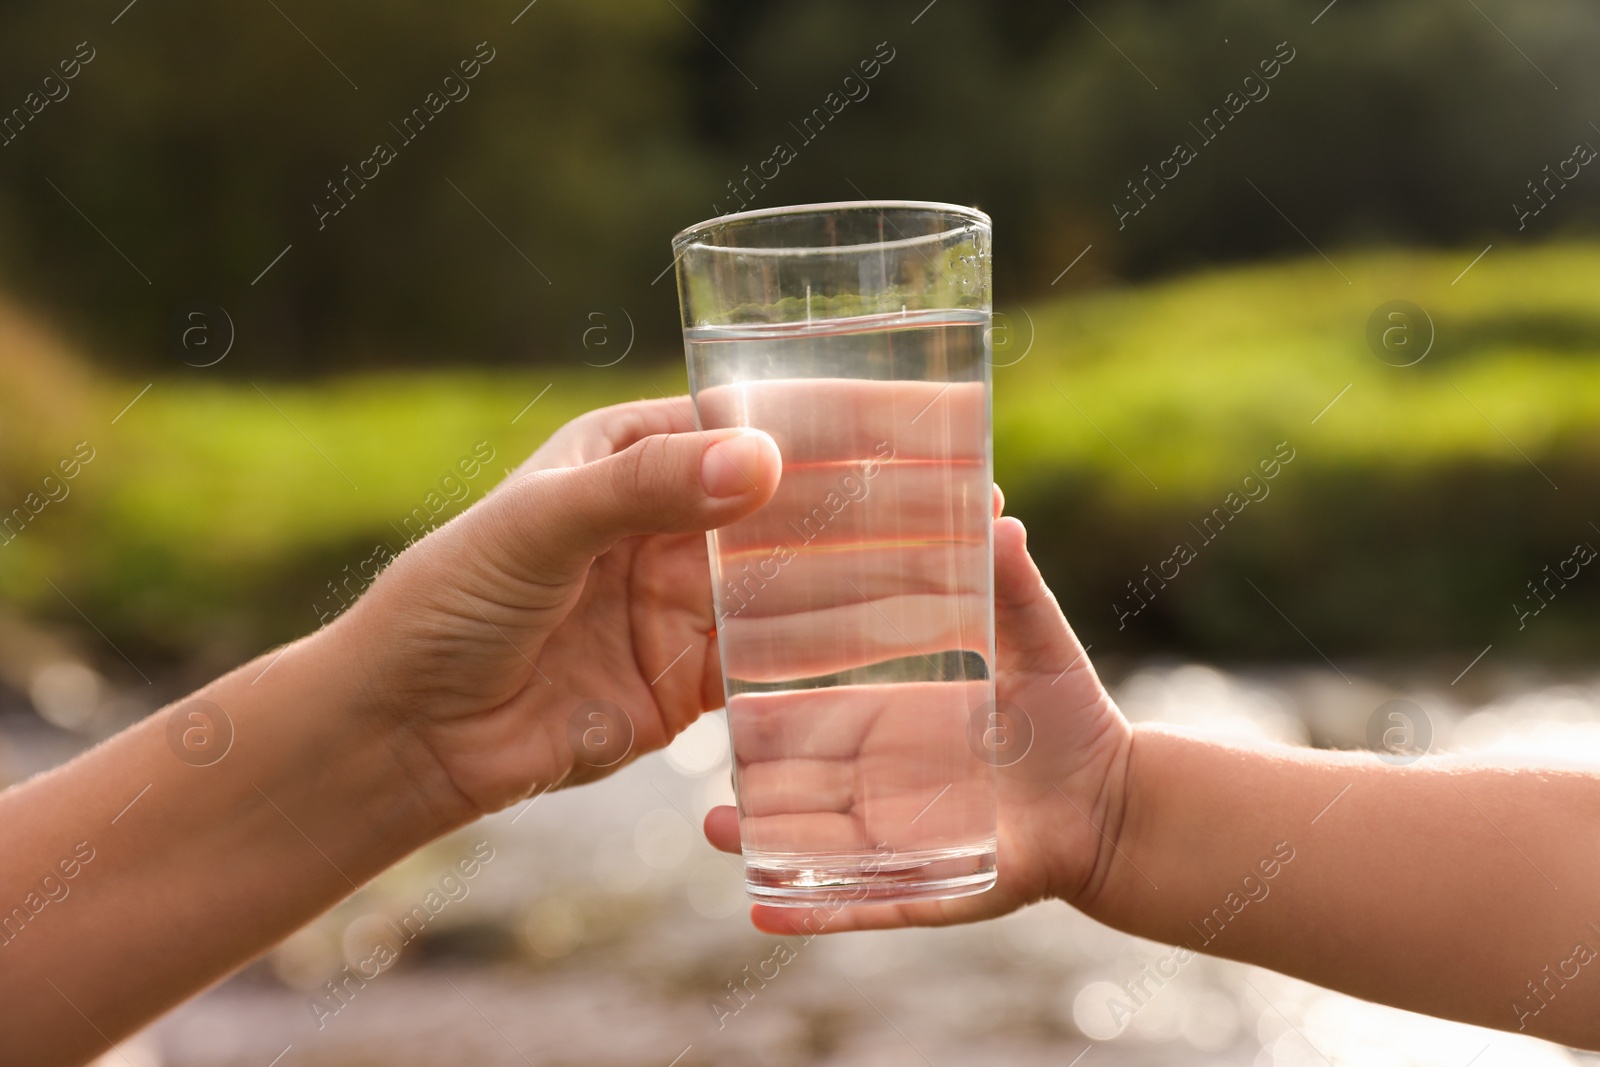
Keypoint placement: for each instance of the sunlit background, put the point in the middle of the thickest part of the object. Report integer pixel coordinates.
(1360, 234)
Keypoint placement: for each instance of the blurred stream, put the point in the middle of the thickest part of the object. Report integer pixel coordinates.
(604, 931)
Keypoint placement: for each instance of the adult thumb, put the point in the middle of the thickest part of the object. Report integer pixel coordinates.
(560, 519)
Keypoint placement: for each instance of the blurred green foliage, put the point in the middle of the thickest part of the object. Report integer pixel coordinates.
(199, 138)
(1415, 510)
(1418, 505)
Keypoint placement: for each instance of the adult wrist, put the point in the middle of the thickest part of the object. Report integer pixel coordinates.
(350, 775)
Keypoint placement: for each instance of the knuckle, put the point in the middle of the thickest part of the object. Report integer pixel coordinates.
(644, 463)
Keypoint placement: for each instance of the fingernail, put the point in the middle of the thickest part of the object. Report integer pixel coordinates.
(728, 467)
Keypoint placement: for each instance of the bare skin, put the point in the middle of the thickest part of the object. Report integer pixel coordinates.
(1431, 887)
(450, 690)
(443, 694)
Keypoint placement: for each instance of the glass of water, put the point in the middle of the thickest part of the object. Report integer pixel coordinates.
(855, 611)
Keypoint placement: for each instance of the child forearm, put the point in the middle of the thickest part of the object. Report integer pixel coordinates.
(1440, 887)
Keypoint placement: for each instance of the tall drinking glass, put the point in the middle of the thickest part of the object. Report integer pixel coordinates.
(855, 611)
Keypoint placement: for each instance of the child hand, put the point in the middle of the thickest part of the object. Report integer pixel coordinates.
(1060, 802)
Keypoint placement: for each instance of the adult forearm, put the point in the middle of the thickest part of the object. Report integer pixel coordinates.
(1439, 887)
(202, 851)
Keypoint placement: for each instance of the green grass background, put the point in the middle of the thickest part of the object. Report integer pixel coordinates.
(1415, 510)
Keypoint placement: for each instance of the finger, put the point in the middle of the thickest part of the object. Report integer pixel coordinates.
(849, 636)
(769, 585)
(810, 833)
(552, 523)
(788, 922)
(798, 787)
(838, 507)
(1031, 632)
(836, 919)
(722, 828)
(999, 502)
(902, 719)
(834, 419)
(601, 432)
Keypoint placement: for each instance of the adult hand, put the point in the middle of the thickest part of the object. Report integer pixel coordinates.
(563, 625)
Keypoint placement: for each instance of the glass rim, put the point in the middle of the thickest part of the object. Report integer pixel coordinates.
(687, 237)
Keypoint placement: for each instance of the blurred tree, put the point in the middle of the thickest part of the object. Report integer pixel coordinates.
(192, 149)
